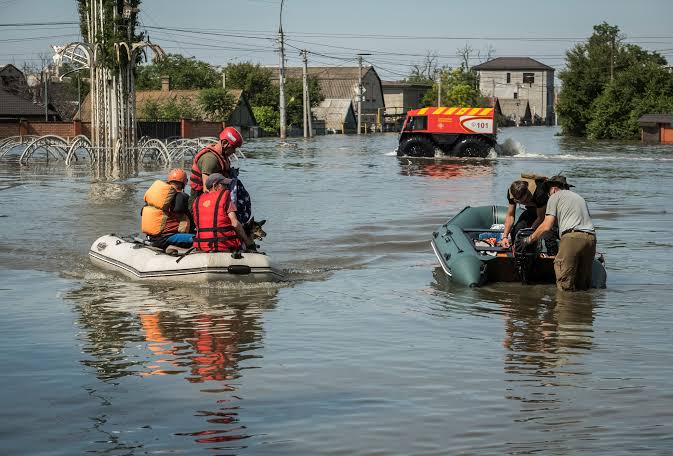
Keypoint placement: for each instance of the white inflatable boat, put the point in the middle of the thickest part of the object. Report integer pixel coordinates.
(139, 261)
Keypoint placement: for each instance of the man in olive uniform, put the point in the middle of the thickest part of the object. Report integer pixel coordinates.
(574, 261)
(214, 158)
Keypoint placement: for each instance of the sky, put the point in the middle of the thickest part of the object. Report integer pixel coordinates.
(397, 34)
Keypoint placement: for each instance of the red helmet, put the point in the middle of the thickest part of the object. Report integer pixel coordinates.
(177, 175)
(232, 136)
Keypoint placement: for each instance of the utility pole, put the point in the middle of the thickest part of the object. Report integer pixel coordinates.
(308, 130)
(281, 75)
(46, 93)
(360, 92)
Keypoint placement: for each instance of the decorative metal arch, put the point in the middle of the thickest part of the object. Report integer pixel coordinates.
(52, 144)
(7, 144)
(78, 143)
(155, 149)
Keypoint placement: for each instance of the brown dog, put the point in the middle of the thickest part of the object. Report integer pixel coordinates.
(254, 230)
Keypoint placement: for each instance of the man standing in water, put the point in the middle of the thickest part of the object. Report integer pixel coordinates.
(214, 158)
(574, 261)
(529, 192)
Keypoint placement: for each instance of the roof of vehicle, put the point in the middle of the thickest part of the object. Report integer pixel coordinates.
(448, 111)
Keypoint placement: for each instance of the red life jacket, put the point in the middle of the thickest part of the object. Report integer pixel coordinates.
(196, 181)
(214, 232)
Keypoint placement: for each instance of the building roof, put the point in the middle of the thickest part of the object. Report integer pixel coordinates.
(335, 82)
(16, 106)
(161, 96)
(652, 119)
(335, 112)
(512, 63)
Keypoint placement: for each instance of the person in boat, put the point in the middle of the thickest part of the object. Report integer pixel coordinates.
(165, 219)
(217, 226)
(529, 192)
(574, 261)
(214, 158)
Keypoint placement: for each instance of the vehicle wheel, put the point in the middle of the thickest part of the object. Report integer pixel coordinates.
(472, 147)
(417, 146)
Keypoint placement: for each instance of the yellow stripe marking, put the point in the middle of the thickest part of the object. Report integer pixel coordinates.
(438, 110)
(423, 111)
(462, 111)
(451, 111)
(474, 111)
(486, 111)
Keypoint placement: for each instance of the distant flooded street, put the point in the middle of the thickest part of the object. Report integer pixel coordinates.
(367, 349)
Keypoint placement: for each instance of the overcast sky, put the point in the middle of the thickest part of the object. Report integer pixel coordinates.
(396, 33)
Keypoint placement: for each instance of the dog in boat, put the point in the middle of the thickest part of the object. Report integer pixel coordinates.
(254, 230)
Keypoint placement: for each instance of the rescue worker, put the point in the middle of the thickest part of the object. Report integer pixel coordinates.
(217, 226)
(529, 192)
(574, 262)
(214, 158)
(165, 219)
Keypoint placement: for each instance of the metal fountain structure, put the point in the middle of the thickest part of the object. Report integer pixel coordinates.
(111, 55)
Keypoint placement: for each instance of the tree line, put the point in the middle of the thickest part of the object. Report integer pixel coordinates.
(608, 84)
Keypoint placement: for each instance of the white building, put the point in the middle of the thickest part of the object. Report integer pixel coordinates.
(523, 78)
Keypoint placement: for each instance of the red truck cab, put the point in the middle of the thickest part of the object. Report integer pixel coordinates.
(460, 132)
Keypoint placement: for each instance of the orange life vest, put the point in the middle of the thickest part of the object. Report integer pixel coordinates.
(157, 217)
(196, 181)
(214, 232)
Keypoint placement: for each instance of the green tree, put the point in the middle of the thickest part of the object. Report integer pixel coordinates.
(460, 88)
(608, 85)
(217, 103)
(255, 81)
(295, 99)
(588, 68)
(268, 118)
(184, 73)
(150, 110)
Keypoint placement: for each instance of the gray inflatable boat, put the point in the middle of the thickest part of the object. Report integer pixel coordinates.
(471, 261)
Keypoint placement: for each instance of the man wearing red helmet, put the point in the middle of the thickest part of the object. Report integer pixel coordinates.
(214, 158)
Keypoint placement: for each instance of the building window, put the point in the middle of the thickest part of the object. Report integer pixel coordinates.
(516, 95)
(529, 78)
(509, 78)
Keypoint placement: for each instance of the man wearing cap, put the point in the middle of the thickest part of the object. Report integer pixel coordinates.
(217, 226)
(214, 158)
(529, 192)
(574, 261)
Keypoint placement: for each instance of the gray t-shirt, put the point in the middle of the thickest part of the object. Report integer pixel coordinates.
(570, 210)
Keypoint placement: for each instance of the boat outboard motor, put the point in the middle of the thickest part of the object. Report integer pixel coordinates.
(525, 255)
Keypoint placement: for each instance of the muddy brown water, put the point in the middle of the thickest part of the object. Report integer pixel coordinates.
(367, 348)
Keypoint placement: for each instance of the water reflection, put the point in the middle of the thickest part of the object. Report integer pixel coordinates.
(546, 333)
(201, 335)
(445, 168)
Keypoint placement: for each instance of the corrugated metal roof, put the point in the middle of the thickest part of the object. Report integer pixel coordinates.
(512, 63)
(335, 112)
(335, 82)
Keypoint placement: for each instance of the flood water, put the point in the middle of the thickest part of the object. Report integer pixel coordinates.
(367, 349)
